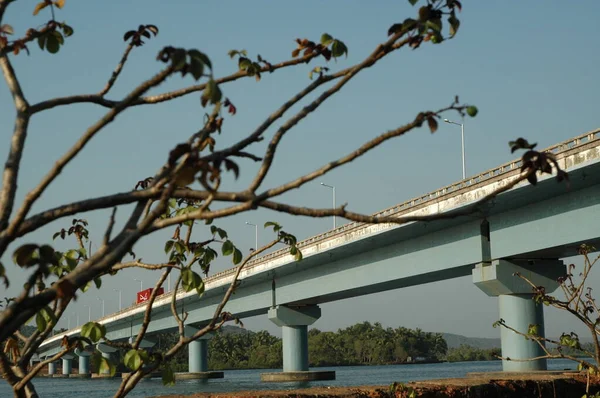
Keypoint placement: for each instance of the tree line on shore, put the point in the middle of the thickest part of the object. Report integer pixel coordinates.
(361, 344)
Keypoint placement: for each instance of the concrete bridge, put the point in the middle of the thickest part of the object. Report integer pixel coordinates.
(526, 228)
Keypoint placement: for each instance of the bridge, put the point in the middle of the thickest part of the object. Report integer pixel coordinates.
(526, 229)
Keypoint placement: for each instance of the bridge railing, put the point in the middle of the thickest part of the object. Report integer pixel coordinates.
(404, 207)
(409, 205)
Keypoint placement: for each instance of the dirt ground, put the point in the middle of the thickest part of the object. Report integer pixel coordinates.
(559, 386)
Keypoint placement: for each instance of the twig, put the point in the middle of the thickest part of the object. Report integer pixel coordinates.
(116, 72)
(111, 224)
(148, 313)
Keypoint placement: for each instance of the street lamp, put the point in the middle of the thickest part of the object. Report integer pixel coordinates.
(77, 315)
(89, 312)
(333, 189)
(141, 283)
(118, 290)
(255, 234)
(462, 140)
(102, 305)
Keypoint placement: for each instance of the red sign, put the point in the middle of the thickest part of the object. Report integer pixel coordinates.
(144, 295)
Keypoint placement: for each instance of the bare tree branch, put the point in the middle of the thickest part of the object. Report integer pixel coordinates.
(11, 168)
(378, 53)
(156, 99)
(33, 195)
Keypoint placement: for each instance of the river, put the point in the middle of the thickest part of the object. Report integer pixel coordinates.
(239, 380)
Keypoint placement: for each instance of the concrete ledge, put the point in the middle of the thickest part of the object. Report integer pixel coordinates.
(60, 376)
(298, 376)
(198, 375)
(148, 376)
(80, 376)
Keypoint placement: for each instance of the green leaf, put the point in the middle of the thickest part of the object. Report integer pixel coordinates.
(201, 57)
(98, 282)
(59, 37)
(326, 39)
(25, 256)
(72, 254)
(105, 365)
(42, 42)
(93, 331)
(52, 44)
(196, 64)
(227, 248)
(276, 226)
(43, 317)
(191, 280)
(472, 111)
(168, 377)
(237, 256)
(67, 30)
(169, 246)
(413, 2)
(533, 330)
(132, 360)
(338, 49)
(454, 25)
(179, 247)
(40, 321)
(212, 93)
(244, 63)
(85, 287)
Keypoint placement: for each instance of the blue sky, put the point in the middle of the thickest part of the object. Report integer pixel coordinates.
(530, 67)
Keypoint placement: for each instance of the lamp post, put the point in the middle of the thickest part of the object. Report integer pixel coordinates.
(462, 141)
(89, 312)
(333, 189)
(118, 290)
(77, 315)
(102, 305)
(141, 283)
(255, 234)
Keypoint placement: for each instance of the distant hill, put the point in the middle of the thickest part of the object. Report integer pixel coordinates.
(455, 340)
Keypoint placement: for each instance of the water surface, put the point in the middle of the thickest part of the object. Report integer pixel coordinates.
(240, 380)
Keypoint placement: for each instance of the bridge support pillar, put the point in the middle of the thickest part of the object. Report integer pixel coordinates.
(517, 308)
(84, 363)
(105, 350)
(67, 364)
(52, 368)
(198, 358)
(294, 322)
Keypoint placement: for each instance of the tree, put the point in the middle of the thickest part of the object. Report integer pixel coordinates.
(166, 199)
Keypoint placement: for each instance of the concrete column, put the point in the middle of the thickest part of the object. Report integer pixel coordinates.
(84, 365)
(84, 360)
(52, 368)
(67, 365)
(295, 348)
(517, 308)
(198, 356)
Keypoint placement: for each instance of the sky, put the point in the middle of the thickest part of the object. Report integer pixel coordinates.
(530, 68)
